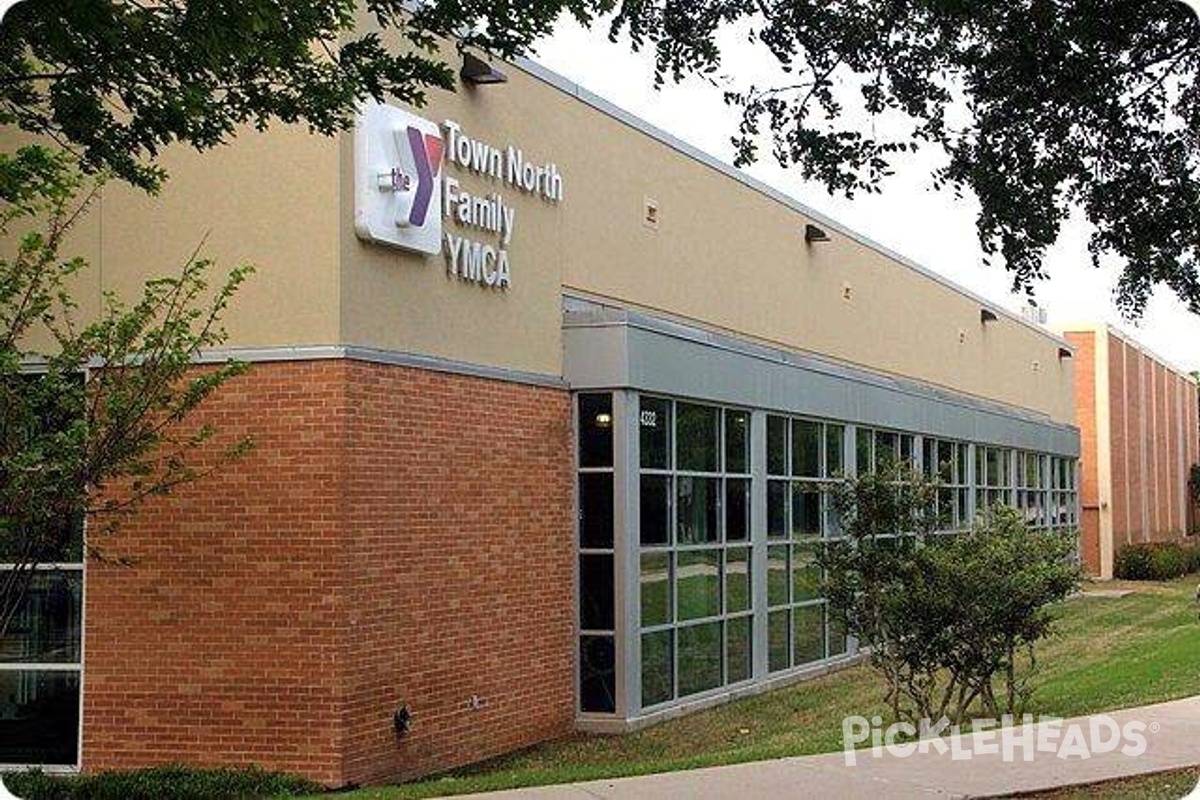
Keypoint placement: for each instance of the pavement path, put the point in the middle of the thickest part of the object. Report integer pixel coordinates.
(1171, 734)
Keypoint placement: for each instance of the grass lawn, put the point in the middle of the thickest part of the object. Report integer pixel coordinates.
(1159, 786)
(1108, 653)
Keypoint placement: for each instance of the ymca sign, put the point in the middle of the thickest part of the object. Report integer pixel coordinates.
(403, 196)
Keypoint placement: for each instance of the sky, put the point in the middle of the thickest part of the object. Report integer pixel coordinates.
(932, 228)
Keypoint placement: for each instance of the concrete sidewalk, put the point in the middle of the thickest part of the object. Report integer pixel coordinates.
(1171, 733)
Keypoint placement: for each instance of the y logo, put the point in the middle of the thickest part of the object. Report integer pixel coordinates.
(398, 165)
(427, 156)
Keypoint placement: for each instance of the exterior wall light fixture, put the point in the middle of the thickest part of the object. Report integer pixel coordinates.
(1064, 353)
(478, 72)
(987, 315)
(814, 234)
(402, 720)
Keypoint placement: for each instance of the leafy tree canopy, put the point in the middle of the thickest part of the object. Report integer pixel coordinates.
(114, 81)
(1039, 105)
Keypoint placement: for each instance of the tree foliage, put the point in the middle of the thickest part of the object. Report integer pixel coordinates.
(1039, 106)
(116, 81)
(89, 409)
(951, 620)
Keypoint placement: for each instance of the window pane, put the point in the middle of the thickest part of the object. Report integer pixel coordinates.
(737, 509)
(737, 579)
(596, 592)
(654, 430)
(886, 451)
(595, 430)
(809, 629)
(39, 717)
(777, 446)
(698, 577)
(777, 503)
(46, 628)
(699, 657)
(835, 436)
(960, 465)
(837, 637)
(806, 510)
(945, 508)
(806, 449)
(655, 514)
(779, 655)
(906, 449)
(657, 670)
(60, 544)
(656, 588)
(737, 441)
(597, 674)
(738, 649)
(862, 449)
(945, 465)
(777, 575)
(698, 430)
(596, 510)
(806, 575)
(697, 510)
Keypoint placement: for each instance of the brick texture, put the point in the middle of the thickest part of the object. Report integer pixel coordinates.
(397, 536)
(1155, 438)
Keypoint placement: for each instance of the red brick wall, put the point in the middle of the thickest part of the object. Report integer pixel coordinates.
(219, 645)
(397, 536)
(1085, 413)
(459, 572)
(1120, 435)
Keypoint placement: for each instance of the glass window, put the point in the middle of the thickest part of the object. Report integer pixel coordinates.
(777, 575)
(39, 717)
(596, 510)
(737, 442)
(835, 435)
(887, 451)
(737, 509)
(596, 592)
(806, 575)
(806, 449)
(657, 667)
(595, 430)
(737, 579)
(739, 648)
(698, 510)
(698, 582)
(809, 633)
(597, 674)
(656, 589)
(698, 433)
(654, 432)
(837, 637)
(655, 514)
(699, 657)
(777, 509)
(863, 451)
(778, 640)
(806, 510)
(47, 627)
(777, 445)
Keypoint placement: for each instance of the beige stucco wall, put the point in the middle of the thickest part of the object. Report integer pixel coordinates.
(724, 255)
(268, 199)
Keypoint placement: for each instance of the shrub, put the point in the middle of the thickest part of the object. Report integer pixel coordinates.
(159, 783)
(951, 620)
(1156, 561)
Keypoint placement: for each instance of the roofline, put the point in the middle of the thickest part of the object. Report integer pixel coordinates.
(1129, 339)
(569, 87)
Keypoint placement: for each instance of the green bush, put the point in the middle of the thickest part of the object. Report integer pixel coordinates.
(159, 783)
(1156, 561)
